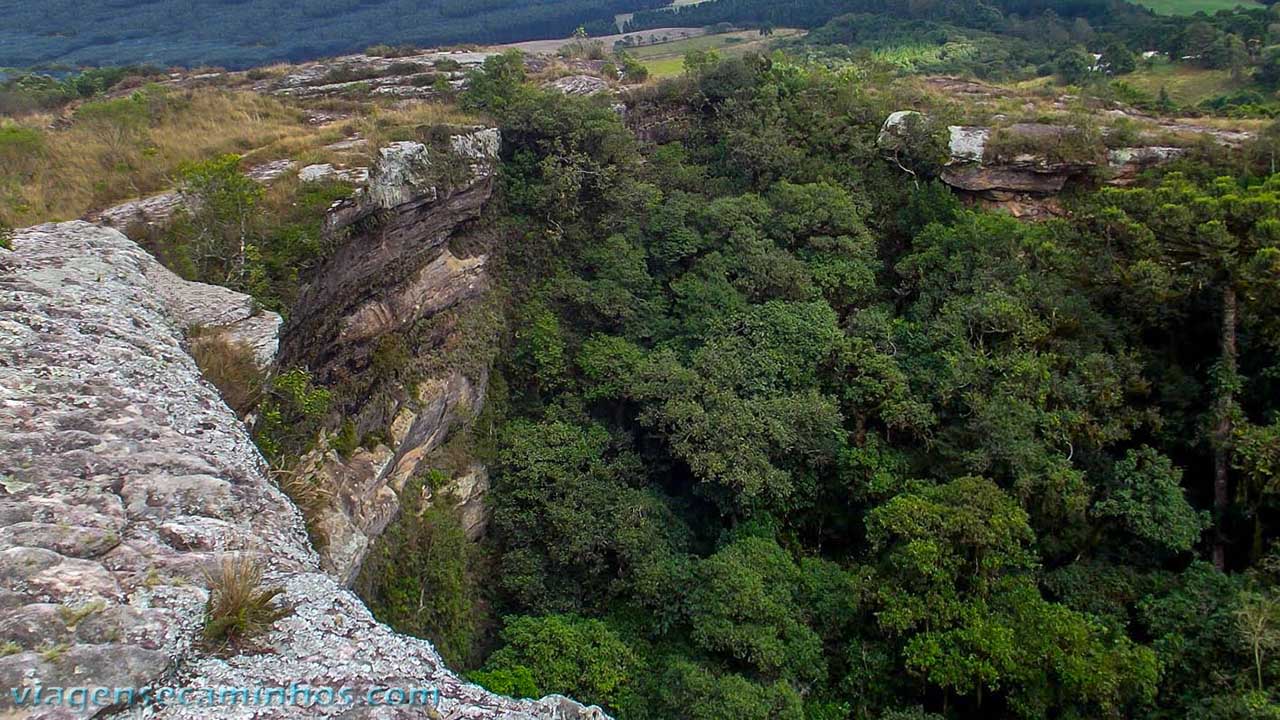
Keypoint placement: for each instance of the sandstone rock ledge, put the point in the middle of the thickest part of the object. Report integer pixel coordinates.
(123, 478)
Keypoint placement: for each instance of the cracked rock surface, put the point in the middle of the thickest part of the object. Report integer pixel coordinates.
(124, 479)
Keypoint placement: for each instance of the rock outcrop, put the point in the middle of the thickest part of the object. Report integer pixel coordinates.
(578, 85)
(124, 479)
(1021, 167)
(410, 250)
(415, 76)
(1034, 163)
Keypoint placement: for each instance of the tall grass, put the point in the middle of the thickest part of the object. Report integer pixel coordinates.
(111, 150)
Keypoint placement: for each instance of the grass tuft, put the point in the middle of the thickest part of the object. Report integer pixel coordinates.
(312, 500)
(239, 606)
(229, 366)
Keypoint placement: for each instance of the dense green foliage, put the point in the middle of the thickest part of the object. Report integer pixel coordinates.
(418, 578)
(232, 233)
(783, 436)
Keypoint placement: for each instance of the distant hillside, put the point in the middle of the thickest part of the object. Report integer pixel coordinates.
(240, 33)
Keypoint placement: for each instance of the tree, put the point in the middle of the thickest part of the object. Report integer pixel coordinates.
(1259, 619)
(689, 690)
(417, 577)
(223, 201)
(1146, 497)
(570, 527)
(1074, 65)
(564, 654)
(746, 604)
(954, 562)
(1119, 59)
(1224, 239)
(1268, 72)
(1228, 51)
(495, 83)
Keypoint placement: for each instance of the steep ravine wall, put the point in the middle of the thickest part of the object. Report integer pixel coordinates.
(408, 248)
(124, 479)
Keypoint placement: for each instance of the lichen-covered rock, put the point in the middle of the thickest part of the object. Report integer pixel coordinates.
(1127, 163)
(200, 306)
(326, 172)
(411, 76)
(968, 144)
(898, 128)
(124, 478)
(578, 85)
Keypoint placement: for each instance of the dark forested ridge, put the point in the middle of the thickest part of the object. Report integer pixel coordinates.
(240, 33)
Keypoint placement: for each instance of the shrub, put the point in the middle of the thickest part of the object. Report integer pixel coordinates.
(229, 366)
(239, 606)
(514, 682)
(225, 200)
(565, 654)
(311, 498)
(290, 416)
(390, 51)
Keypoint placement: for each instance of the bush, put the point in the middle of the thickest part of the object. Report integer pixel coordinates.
(20, 147)
(390, 51)
(239, 606)
(311, 498)
(568, 655)
(291, 415)
(229, 366)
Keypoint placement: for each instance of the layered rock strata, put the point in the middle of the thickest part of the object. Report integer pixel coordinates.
(409, 250)
(125, 480)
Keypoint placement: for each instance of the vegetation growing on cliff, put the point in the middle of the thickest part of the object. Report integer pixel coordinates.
(788, 437)
(775, 430)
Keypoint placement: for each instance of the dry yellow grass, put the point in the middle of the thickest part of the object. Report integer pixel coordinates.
(381, 126)
(116, 149)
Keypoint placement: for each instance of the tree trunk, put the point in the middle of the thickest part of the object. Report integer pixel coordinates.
(1225, 411)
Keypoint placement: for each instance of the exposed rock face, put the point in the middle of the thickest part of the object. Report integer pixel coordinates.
(326, 172)
(968, 144)
(417, 201)
(1127, 163)
(412, 76)
(124, 478)
(400, 263)
(1020, 168)
(578, 85)
(898, 127)
(366, 487)
(976, 167)
(196, 305)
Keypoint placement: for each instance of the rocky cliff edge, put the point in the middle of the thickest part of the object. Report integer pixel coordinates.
(124, 480)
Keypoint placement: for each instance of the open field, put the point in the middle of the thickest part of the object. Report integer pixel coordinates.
(1186, 84)
(666, 59)
(1191, 7)
(550, 46)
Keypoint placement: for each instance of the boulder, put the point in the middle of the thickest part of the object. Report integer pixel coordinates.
(898, 127)
(578, 85)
